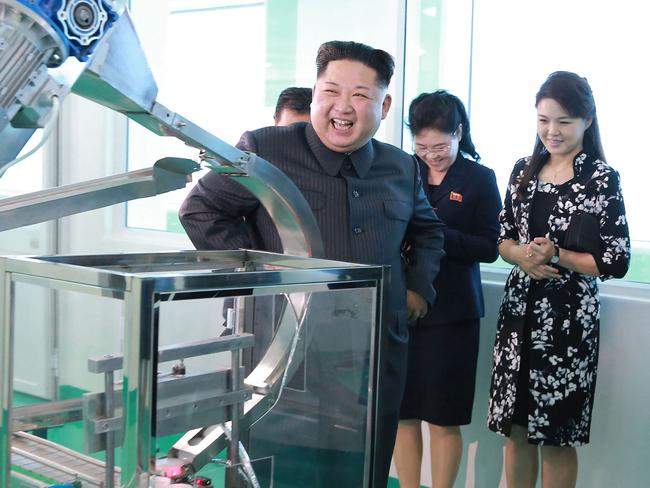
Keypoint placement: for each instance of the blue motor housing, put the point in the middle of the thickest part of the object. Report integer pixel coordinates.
(80, 23)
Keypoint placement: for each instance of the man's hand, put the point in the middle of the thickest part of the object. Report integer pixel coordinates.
(416, 306)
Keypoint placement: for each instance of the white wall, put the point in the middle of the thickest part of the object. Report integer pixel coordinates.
(620, 436)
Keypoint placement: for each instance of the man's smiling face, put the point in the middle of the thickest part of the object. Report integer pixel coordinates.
(348, 105)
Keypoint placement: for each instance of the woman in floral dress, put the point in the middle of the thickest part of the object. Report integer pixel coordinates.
(546, 348)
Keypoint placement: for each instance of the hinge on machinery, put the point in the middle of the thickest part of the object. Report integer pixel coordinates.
(54, 365)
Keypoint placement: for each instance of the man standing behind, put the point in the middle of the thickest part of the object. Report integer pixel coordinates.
(366, 196)
(293, 106)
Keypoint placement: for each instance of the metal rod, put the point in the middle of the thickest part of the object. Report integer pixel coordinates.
(165, 175)
(177, 351)
(6, 369)
(110, 436)
(44, 461)
(232, 478)
(139, 389)
(45, 415)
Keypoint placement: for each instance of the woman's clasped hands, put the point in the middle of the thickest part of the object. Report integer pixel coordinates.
(537, 254)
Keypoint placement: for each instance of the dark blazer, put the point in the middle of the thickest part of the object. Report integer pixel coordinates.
(468, 202)
(363, 204)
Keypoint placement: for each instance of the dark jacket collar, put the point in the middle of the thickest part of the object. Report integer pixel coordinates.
(453, 178)
(331, 161)
(458, 168)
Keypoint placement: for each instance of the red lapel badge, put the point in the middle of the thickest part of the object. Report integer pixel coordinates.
(456, 197)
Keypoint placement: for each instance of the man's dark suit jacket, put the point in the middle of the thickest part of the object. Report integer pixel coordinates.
(468, 202)
(364, 205)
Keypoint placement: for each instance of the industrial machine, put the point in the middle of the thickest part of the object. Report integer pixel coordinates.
(301, 417)
(301, 414)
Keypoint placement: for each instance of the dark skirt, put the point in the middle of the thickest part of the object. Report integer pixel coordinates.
(441, 374)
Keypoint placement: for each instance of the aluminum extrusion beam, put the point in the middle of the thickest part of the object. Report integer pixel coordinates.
(166, 175)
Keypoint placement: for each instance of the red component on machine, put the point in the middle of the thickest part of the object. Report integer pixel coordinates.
(202, 481)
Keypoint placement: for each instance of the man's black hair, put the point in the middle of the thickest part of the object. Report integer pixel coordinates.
(294, 98)
(378, 60)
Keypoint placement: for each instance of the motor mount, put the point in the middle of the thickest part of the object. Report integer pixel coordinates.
(79, 23)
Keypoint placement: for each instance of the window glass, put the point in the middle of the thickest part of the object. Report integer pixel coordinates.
(222, 65)
(438, 51)
(595, 39)
(25, 176)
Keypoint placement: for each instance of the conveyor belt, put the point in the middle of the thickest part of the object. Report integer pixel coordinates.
(40, 457)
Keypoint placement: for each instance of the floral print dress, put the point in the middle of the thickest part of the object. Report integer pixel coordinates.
(561, 315)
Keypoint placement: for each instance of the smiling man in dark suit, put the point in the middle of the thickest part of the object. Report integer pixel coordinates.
(366, 196)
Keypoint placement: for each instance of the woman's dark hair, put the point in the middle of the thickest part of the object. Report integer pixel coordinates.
(574, 94)
(443, 112)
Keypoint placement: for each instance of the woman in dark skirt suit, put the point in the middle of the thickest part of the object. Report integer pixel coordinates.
(546, 349)
(443, 346)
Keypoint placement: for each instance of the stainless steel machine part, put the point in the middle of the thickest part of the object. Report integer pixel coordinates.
(29, 46)
(138, 280)
(166, 175)
(53, 461)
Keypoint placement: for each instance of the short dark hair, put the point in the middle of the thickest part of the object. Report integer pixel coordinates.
(378, 60)
(443, 112)
(293, 98)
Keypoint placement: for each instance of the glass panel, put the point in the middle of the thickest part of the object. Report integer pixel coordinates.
(316, 434)
(51, 379)
(259, 473)
(25, 177)
(438, 51)
(278, 357)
